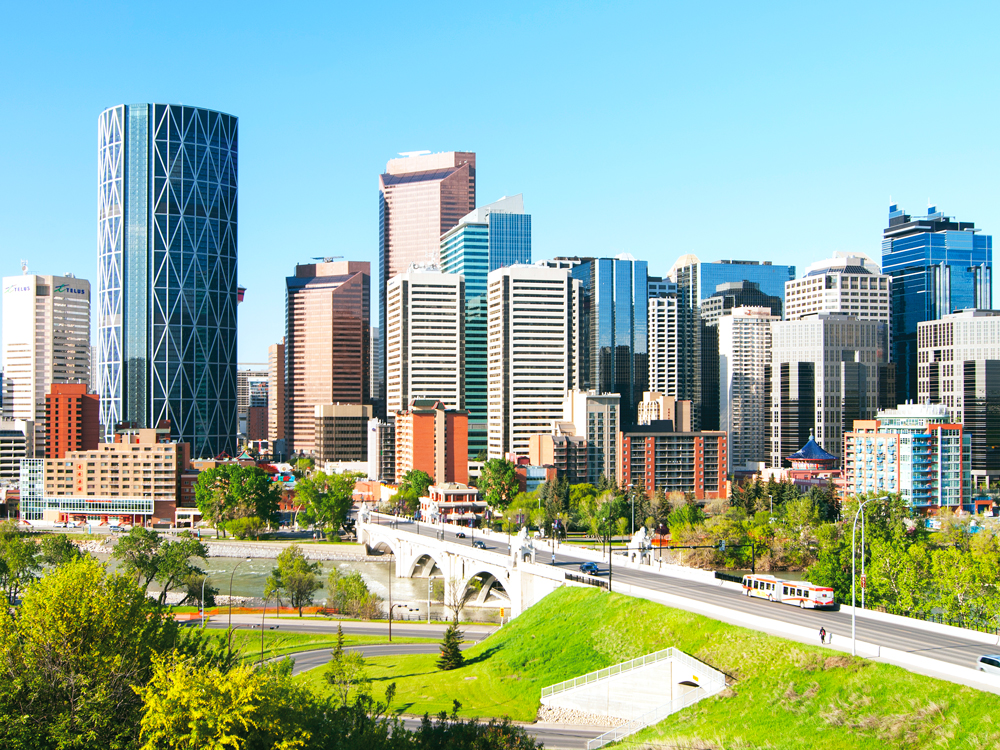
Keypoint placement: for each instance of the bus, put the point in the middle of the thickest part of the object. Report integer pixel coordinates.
(798, 593)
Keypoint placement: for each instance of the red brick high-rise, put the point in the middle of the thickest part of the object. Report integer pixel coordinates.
(72, 419)
(434, 439)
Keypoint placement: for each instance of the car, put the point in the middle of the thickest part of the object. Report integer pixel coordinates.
(60, 525)
(989, 663)
(589, 567)
(460, 534)
(115, 528)
(479, 544)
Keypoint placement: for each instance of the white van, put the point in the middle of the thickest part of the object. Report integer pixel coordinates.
(989, 663)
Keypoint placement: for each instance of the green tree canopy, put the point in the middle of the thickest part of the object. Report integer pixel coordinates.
(19, 560)
(296, 577)
(326, 499)
(230, 491)
(498, 484)
(57, 549)
(70, 658)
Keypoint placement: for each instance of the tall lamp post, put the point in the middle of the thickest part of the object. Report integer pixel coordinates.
(854, 529)
(233, 575)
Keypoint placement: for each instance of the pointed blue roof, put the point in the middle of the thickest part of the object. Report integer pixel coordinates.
(811, 451)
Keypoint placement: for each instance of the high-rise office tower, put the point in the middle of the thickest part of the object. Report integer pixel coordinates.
(421, 196)
(825, 373)
(744, 372)
(424, 338)
(276, 396)
(533, 358)
(614, 338)
(248, 377)
(491, 237)
(848, 282)
(701, 280)
(938, 266)
(675, 335)
(327, 325)
(735, 294)
(959, 367)
(46, 340)
(166, 284)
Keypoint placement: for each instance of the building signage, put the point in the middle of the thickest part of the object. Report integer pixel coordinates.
(16, 288)
(67, 289)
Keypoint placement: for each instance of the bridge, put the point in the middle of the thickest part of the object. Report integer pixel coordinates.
(510, 578)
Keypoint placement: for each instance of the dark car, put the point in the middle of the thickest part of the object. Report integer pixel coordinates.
(460, 534)
(589, 567)
(479, 543)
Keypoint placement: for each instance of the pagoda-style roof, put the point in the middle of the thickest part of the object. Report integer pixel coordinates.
(811, 451)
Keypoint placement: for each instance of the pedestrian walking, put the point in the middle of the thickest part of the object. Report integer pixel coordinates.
(822, 635)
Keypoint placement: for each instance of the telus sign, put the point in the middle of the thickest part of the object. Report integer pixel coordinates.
(67, 289)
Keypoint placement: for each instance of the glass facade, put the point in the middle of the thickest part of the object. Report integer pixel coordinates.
(420, 197)
(938, 266)
(167, 258)
(701, 280)
(489, 238)
(614, 352)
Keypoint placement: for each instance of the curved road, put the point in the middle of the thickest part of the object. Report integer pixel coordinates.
(570, 737)
(945, 648)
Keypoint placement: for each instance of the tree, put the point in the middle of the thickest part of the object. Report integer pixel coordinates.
(461, 594)
(349, 593)
(229, 492)
(58, 549)
(451, 649)
(416, 482)
(346, 673)
(18, 561)
(173, 563)
(296, 577)
(190, 707)
(196, 585)
(326, 499)
(498, 483)
(80, 642)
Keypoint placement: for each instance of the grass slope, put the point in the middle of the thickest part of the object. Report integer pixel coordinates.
(786, 695)
(279, 644)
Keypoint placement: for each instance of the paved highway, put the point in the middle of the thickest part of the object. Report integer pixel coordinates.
(945, 648)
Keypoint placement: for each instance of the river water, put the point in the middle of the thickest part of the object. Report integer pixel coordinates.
(249, 579)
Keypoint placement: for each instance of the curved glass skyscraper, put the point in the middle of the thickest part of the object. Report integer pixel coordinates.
(166, 281)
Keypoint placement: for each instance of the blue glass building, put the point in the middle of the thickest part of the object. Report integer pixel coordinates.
(166, 280)
(699, 281)
(614, 325)
(938, 266)
(491, 237)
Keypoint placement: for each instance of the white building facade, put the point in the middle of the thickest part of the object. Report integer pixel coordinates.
(532, 353)
(744, 356)
(596, 417)
(46, 340)
(846, 283)
(425, 338)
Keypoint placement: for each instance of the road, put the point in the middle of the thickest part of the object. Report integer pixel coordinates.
(473, 633)
(945, 648)
(569, 737)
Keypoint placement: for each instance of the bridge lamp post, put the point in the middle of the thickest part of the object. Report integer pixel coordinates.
(231, 590)
(203, 580)
(854, 529)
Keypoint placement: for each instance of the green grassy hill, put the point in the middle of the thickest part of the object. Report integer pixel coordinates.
(785, 695)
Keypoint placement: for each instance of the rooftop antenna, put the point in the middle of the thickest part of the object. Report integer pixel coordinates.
(24, 267)
(327, 258)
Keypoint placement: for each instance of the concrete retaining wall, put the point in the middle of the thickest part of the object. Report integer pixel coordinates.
(354, 552)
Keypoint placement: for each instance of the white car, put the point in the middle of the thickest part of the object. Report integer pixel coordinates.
(60, 525)
(989, 663)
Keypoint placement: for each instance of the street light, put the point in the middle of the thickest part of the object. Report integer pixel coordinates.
(231, 592)
(854, 529)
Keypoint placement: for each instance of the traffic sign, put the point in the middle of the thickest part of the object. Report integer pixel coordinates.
(864, 580)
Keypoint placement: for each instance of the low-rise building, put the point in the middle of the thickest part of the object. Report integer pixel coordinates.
(452, 502)
(135, 480)
(562, 450)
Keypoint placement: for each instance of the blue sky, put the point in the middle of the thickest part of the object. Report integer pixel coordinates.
(754, 131)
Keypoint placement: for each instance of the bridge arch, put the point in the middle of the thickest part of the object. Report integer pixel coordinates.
(491, 582)
(423, 565)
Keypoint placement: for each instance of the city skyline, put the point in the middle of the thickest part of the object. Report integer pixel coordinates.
(814, 139)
